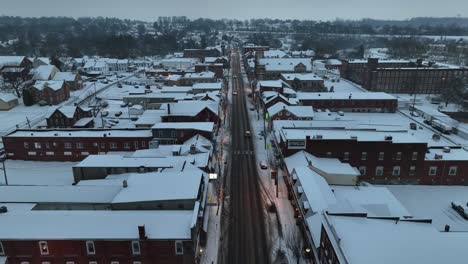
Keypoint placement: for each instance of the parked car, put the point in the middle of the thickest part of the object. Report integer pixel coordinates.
(119, 113)
(119, 85)
(136, 86)
(413, 126)
(234, 92)
(263, 165)
(248, 134)
(123, 104)
(104, 113)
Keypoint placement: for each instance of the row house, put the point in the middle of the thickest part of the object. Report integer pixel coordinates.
(72, 144)
(351, 102)
(51, 92)
(68, 116)
(15, 67)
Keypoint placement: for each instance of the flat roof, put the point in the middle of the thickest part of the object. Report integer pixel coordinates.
(73, 133)
(345, 96)
(203, 126)
(95, 225)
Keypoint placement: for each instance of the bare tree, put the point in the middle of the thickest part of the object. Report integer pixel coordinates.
(295, 243)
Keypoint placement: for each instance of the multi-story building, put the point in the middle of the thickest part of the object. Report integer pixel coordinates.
(192, 111)
(272, 68)
(51, 92)
(399, 76)
(308, 82)
(68, 116)
(352, 102)
(72, 144)
(179, 132)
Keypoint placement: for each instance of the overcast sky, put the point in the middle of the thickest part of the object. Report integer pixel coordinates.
(149, 10)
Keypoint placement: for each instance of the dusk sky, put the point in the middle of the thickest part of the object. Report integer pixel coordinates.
(241, 9)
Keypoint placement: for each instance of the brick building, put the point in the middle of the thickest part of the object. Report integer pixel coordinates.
(308, 82)
(15, 67)
(191, 111)
(282, 111)
(68, 116)
(272, 68)
(72, 144)
(352, 102)
(52, 92)
(399, 76)
(72, 80)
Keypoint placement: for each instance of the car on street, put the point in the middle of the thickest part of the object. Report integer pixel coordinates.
(263, 165)
(248, 134)
(119, 113)
(123, 104)
(234, 92)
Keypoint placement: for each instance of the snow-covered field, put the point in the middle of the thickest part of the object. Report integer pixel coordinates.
(37, 173)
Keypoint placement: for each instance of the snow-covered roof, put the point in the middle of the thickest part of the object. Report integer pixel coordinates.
(299, 111)
(302, 76)
(208, 86)
(89, 133)
(274, 84)
(11, 60)
(274, 53)
(57, 194)
(44, 72)
(199, 75)
(68, 111)
(190, 108)
(285, 64)
(54, 85)
(96, 225)
(345, 96)
(65, 76)
(150, 117)
(316, 189)
(122, 161)
(213, 59)
(433, 202)
(175, 89)
(7, 97)
(365, 241)
(446, 154)
(160, 187)
(358, 135)
(327, 165)
(202, 126)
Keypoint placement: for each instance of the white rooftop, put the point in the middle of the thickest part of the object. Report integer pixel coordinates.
(202, 126)
(72, 133)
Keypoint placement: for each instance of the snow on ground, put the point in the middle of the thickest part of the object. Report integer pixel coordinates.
(284, 208)
(17, 116)
(38, 173)
(425, 99)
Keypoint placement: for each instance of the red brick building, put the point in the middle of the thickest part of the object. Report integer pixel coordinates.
(381, 157)
(72, 144)
(52, 92)
(191, 111)
(399, 76)
(352, 102)
(67, 116)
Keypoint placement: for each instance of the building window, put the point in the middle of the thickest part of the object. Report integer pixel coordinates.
(92, 262)
(47, 145)
(46, 262)
(378, 171)
(43, 248)
(179, 248)
(174, 135)
(70, 262)
(68, 145)
(24, 262)
(346, 156)
(362, 170)
(67, 153)
(103, 145)
(396, 171)
(143, 144)
(432, 170)
(136, 247)
(126, 145)
(414, 156)
(381, 155)
(26, 145)
(114, 262)
(37, 145)
(364, 156)
(412, 170)
(79, 145)
(32, 153)
(398, 156)
(2, 250)
(329, 154)
(136, 262)
(90, 249)
(453, 170)
(113, 145)
(136, 144)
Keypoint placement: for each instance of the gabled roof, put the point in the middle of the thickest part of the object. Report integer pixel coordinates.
(190, 108)
(201, 126)
(299, 111)
(65, 76)
(54, 85)
(44, 72)
(7, 97)
(11, 60)
(68, 111)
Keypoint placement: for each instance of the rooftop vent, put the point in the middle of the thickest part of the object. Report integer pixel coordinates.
(3, 209)
(438, 156)
(125, 183)
(446, 149)
(388, 137)
(447, 228)
(354, 137)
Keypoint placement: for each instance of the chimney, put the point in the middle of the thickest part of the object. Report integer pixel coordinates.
(193, 149)
(3, 209)
(142, 232)
(350, 95)
(447, 228)
(446, 149)
(125, 183)
(168, 109)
